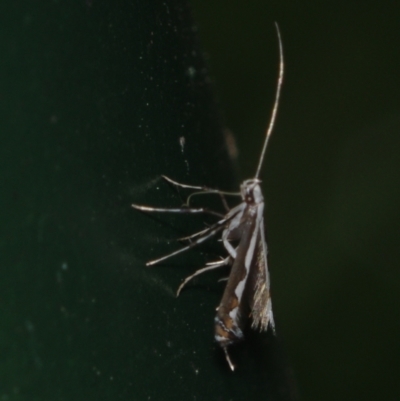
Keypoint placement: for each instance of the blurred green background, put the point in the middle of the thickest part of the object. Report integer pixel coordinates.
(95, 98)
(331, 178)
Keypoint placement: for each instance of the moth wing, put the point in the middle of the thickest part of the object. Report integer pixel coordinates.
(260, 296)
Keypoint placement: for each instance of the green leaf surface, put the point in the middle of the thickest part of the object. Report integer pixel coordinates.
(98, 99)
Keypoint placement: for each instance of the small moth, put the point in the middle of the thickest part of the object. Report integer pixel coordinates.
(248, 288)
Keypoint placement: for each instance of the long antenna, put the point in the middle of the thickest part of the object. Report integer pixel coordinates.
(276, 103)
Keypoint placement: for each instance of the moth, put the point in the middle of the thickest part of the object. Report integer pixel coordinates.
(247, 292)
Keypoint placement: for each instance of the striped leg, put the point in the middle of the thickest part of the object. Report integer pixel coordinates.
(189, 210)
(210, 266)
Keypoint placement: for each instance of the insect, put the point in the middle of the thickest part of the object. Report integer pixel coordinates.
(248, 288)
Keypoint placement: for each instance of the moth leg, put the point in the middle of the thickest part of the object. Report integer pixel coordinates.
(205, 234)
(219, 223)
(230, 249)
(226, 261)
(203, 189)
(233, 230)
(198, 234)
(185, 248)
(178, 184)
(210, 232)
(210, 266)
(189, 210)
(224, 202)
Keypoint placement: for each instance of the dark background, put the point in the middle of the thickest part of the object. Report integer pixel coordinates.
(97, 100)
(95, 97)
(331, 178)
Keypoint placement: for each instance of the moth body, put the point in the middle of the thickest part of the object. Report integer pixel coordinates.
(247, 292)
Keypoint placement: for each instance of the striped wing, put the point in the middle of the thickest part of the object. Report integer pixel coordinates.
(260, 296)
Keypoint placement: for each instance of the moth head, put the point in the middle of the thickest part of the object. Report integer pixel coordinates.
(251, 191)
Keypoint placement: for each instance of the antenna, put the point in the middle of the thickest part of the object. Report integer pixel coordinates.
(276, 103)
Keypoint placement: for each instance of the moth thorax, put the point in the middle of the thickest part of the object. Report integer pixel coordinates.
(251, 192)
